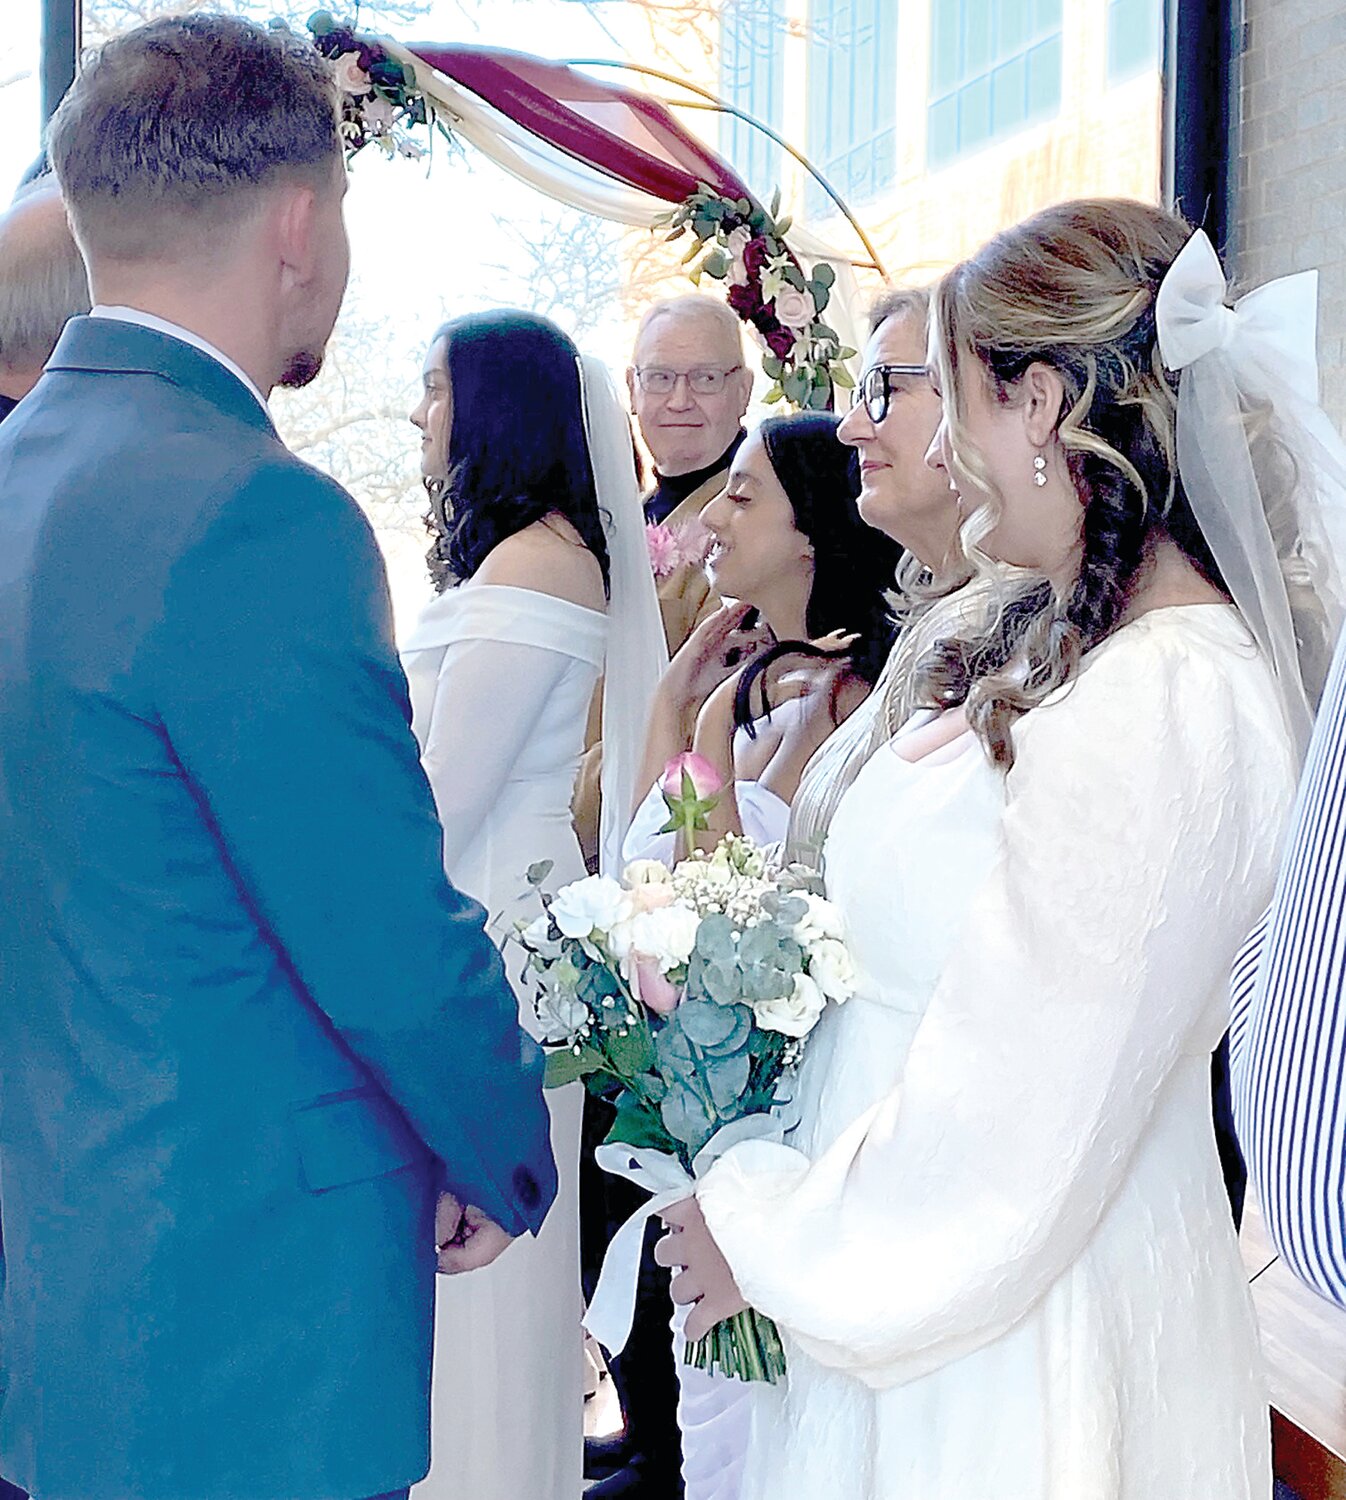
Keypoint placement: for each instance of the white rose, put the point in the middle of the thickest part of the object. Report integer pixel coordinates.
(560, 1015)
(833, 969)
(595, 904)
(821, 920)
(795, 1014)
(537, 935)
(646, 872)
(794, 309)
(666, 935)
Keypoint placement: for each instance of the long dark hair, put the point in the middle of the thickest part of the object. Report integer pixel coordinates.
(853, 565)
(517, 450)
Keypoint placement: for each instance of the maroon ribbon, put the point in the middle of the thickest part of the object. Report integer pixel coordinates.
(552, 101)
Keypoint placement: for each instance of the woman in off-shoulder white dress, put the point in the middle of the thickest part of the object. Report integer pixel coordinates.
(998, 1246)
(529, 462)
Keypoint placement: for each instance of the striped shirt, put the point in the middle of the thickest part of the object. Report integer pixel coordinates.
(1288, 1029)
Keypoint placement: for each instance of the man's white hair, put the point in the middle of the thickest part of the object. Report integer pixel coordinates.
(695, 305)
(43, 283)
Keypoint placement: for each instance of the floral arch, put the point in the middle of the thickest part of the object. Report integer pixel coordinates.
(620, 154)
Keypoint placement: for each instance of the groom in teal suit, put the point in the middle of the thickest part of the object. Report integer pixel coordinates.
(257, 1058)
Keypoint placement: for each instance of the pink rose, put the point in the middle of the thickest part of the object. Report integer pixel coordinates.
(650, 897)
(350, 76)
(706, 780)
(794, 309)
(656, 990)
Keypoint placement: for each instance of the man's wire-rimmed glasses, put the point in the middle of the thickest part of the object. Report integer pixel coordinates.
(706, 380)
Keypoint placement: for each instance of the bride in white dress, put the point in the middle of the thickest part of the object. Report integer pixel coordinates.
(540, 558)
(999, 1248)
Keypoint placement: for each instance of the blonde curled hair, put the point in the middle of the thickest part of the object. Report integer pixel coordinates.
(1073, 288)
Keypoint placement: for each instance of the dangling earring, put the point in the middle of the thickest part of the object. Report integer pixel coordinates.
(1039, 470)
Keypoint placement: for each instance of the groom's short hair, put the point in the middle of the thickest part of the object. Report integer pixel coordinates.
(170, 126)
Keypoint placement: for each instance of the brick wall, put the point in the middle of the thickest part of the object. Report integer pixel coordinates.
(1289, 205)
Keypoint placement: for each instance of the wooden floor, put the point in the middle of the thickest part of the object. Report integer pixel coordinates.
(1304, 1340)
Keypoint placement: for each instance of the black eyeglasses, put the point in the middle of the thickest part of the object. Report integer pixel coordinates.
(877, 384)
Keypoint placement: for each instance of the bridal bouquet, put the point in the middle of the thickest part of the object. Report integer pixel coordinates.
(686, 996)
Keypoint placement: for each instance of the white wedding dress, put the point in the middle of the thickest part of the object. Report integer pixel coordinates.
(501, 681)
(1002, 1255)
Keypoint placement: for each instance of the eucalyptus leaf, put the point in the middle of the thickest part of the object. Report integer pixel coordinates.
(538, 872)
(685, 1117)
(705, 1024)
(716, 264)
(790, 910)
(735, 1039)
(722, 983)
(824, 273)
(715, 938)
(728, 1078)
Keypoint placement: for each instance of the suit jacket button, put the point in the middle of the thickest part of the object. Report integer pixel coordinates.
(526, 1188)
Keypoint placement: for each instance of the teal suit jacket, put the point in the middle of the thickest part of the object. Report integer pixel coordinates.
(248, 1031)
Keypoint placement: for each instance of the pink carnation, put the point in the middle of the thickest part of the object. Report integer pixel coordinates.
(662, 543)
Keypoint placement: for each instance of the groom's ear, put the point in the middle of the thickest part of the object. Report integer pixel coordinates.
(295, 222)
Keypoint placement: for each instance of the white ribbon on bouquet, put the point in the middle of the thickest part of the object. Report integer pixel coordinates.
(662, 1175)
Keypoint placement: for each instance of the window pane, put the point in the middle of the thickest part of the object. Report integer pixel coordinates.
(852, 96)
(1135, 32)
(974, 112)
(1009, 95)
(978, 51)
(942, 131)
(1044, 79)
(1008, 70)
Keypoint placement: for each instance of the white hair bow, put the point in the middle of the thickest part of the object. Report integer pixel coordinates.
(1255, 364)
(1273, 329)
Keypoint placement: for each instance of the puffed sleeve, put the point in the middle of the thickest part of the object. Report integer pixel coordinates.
(1138, 842)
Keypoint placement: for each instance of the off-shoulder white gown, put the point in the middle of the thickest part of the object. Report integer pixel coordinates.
(1002, 1254)
(501, 680)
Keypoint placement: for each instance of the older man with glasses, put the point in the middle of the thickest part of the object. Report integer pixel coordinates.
(689, 385)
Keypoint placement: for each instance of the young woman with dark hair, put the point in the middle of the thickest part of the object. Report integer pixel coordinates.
(502, 667)
(765, 680)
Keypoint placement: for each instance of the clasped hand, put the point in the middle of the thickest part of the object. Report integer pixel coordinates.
(705, 1279)
(466, 1240)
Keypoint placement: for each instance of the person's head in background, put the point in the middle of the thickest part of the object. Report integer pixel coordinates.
(200, 159)
(689, 383)
(891, 423)
(43, 284)
(788, 539)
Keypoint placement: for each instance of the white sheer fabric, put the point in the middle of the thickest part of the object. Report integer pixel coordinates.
(637, 650)
(1000, 1250)
(1263, 468)
(501, 680)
